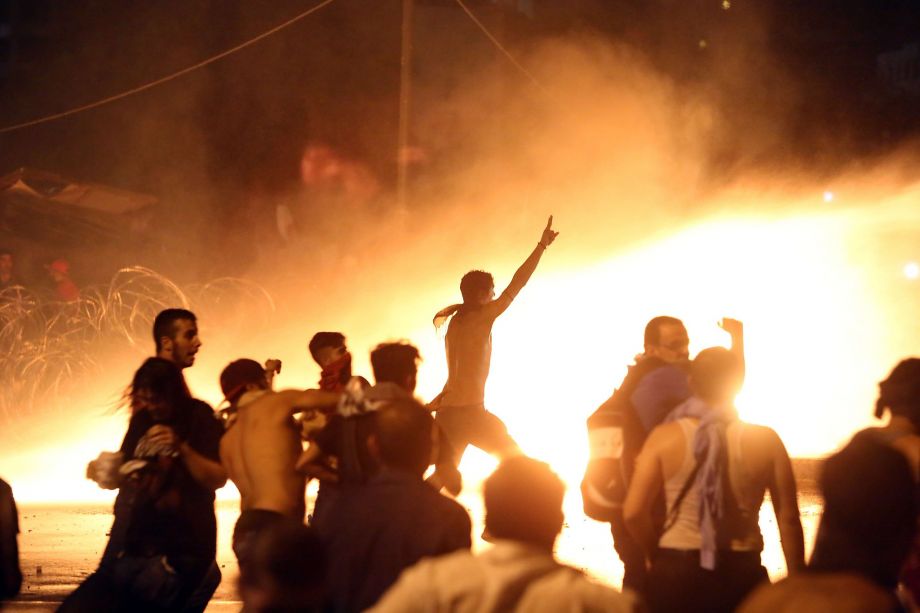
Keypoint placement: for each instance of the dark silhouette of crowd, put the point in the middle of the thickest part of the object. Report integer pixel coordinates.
(679, 477)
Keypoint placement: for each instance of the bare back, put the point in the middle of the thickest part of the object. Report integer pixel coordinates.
(469, 356)
(259, 452)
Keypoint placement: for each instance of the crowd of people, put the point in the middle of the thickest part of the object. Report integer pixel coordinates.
(59, 280)
(673, 470)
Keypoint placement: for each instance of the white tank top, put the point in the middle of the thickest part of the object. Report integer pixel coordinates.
(685, 531)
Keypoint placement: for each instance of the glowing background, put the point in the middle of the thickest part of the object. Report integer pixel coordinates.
(817, 268)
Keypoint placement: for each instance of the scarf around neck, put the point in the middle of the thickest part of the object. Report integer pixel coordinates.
(336, 374)
(710, 449)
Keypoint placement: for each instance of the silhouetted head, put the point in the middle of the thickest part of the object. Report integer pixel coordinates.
(241, 376)
(900, 392)
(716, 375)
(870, 512)
(666, 339)
(403, 436)
(157, 387)
(327, 347)
(477, 287)
(285, 572)
(523, 500)
(175, 332)
(396, 363)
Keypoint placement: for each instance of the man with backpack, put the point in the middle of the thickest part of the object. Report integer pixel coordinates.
(653, 386)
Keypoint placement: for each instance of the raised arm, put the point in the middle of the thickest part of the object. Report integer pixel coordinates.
(523, 274)
(735, 329)
(785, 505)
(272, 368)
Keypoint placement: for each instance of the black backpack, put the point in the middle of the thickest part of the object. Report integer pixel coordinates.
(615, 436)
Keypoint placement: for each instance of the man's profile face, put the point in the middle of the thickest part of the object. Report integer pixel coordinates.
(327, 355)
(184, 344)
(673, 344)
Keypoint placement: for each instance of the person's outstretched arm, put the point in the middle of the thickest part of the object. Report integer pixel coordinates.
(523, 274)
(735, 329)
(786, 505)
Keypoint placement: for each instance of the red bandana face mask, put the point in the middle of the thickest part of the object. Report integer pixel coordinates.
(336, 374)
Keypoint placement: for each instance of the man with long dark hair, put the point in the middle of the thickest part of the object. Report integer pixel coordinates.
(169, 472)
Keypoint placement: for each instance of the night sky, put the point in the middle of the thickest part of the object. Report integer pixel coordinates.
(795, 83)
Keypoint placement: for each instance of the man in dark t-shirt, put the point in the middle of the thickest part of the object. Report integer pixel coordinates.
(173, 514)
(376, 529)
(161, 551)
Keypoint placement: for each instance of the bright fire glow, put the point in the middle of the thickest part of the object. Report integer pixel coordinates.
(912, 270)
(828, 196)
(820, 333)
(561, 350)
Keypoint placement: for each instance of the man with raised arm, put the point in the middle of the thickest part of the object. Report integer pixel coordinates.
(713, 471)
(260, 447)
(460, 406)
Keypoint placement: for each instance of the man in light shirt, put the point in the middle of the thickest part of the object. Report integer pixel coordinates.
(523, 500)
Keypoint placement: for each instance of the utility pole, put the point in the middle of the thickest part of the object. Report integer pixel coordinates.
(405, 99)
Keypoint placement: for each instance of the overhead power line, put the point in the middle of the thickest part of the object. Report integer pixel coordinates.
(501, 47)
(167, 78)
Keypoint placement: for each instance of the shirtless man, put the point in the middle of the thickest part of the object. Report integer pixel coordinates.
(460, 407)
(260, 448)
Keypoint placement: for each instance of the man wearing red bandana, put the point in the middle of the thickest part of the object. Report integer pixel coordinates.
(460, 407)
(329, 352)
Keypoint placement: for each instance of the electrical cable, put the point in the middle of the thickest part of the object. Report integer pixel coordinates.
(170, 77)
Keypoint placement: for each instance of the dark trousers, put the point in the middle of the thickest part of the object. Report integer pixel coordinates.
(252, 523)
(635, 574)
(678, 583)
(132, 584)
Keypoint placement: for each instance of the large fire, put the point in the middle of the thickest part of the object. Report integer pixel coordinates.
(825, 317)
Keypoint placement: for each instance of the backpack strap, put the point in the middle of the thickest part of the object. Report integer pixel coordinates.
(672, 512)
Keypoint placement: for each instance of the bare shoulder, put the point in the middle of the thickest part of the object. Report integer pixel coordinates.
(763, 435)
(762, 443)
(664, 435)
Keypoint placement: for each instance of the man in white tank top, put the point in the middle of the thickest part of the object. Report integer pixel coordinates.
(714, 471)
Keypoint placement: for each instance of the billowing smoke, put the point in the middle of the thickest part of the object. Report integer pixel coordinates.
(628, 161)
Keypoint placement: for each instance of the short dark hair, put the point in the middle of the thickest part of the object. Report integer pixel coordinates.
(713, 370)
(165, 324)
(162, 378)
(523, 500)
(900, 392)
(404, 429)
(393, 362)
(238, 374)
(652, 335)
(322, 340)
(474, 283)
(288, 564)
